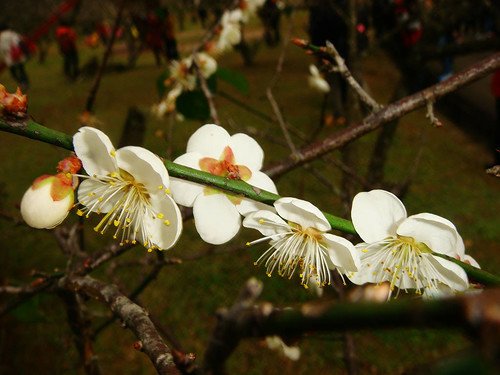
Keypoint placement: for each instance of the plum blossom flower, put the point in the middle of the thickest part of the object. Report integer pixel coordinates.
(277, 343)
(401, 250)
(50, 198)
(301, 242)
(249, 8)
(316, 81)
(238, 157)
(230, 34)
(183, 78)
(131, 187)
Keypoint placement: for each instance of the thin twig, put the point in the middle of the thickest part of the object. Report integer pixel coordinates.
(344, 71)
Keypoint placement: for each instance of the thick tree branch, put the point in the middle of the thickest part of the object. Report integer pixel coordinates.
(135, 318)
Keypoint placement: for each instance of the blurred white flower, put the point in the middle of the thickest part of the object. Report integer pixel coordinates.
(238, 157)
(276, 343)
(316, 81)
(400, 249)
(230, 34)
(131, 187)
(301, 242)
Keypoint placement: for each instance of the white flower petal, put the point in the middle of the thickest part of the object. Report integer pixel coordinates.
(144, 166)
(313, 69)
(40, 211)
(262, 181)
(209, 141)
(272, 223)
(376, 214)
(342, 253)
(95, 150)
(165, 230)
(185, 192)
(216, 219)
(470, 260)
(436, 232)
(302, 212)
(450, 273)
(246, 151)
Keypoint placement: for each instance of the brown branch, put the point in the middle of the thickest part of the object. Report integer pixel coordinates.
(387, 114)
(344, 71)
(135, 318)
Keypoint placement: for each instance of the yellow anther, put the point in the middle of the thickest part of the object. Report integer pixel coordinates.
(112, 153)
(116, 223)
(364, 250)
(261, 221)
(134, 242)
(114, 236)
(167, 191)
(160, 216)
(128, 220)
(150, 250)
(166, 222)
(114, 174)
(160, 187)
(79, 212)
(247, 244)
(100, 199)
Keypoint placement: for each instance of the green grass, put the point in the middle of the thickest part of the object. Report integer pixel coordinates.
(450, 182)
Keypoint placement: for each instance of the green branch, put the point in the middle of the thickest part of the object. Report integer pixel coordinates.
(30, 129)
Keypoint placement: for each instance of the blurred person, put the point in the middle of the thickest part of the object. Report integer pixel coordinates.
(270, 14)
(14, 55)
(66, 39)
(168, 35)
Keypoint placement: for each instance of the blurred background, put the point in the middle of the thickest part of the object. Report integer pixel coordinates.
(393, 47)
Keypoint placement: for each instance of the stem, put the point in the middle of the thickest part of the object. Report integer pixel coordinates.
(33, 130)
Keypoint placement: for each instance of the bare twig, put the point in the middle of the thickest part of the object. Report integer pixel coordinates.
(344, 71)
(430, 115)
(208, 94)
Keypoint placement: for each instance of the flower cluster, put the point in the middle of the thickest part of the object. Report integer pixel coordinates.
(131, 188)
(183, 78)
(230, 25)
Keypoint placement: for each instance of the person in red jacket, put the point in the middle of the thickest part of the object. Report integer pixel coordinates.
(66, 38)
(495, 90)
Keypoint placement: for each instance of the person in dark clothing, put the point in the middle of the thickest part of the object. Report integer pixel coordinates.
(13, 55)
(66, 39)
(270, 15)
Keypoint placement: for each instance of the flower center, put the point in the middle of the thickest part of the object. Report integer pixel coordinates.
(302, 248)
(126, 203)
(225, 167)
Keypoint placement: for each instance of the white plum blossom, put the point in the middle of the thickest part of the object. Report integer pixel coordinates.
(277, 343)
(130, 186)
(316, 80)
(249, 8)
(301, 242)
(237, 157)
(183, 78)
(230, 34)
(401, 250)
